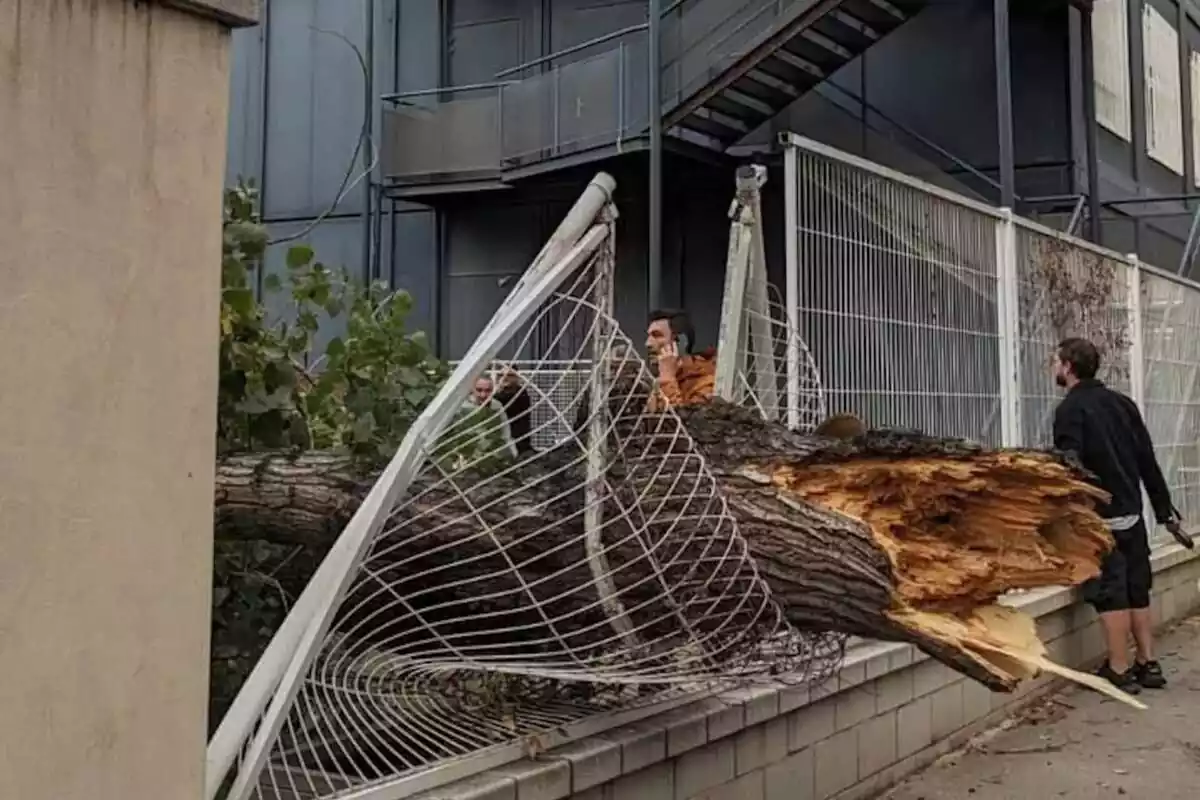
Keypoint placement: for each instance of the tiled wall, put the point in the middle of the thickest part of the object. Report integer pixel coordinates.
(890, 711)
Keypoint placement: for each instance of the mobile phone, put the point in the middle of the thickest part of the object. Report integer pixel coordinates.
(682, 343)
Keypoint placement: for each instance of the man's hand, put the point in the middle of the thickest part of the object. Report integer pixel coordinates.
(1175, 526)
(668, 362)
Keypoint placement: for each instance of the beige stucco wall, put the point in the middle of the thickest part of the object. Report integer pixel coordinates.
(112, 149)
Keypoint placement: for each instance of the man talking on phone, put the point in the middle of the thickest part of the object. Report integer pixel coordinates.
(684, 377)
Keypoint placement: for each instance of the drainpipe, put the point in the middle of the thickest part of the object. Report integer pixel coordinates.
(654, 256)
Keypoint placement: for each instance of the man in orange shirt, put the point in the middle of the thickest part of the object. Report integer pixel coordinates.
(684, 377)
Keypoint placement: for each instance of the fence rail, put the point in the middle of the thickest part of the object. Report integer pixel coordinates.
(931, 310)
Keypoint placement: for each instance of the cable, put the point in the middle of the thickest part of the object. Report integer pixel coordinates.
(364, 135)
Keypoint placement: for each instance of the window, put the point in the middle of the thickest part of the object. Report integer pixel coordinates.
(1110, 65)
(1195, 68)
(1164, 101)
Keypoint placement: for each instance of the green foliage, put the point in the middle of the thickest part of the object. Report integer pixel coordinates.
(279, 389)
(361, 395)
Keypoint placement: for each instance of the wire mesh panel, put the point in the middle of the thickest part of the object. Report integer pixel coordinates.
(513, 594)
(1170, 311)
(897, 299)
(763, 363)
(1066, 289)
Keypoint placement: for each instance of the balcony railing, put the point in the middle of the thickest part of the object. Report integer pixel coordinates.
(443, 133)
(574, 101)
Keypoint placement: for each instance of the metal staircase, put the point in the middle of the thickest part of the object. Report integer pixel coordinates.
(727, 67)
(793, 46)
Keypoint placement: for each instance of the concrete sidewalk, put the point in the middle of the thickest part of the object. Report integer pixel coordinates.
(1080, 744)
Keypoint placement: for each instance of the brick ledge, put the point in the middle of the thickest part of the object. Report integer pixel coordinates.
(588, 763)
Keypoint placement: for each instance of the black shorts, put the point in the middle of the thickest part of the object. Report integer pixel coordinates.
(1125, 574)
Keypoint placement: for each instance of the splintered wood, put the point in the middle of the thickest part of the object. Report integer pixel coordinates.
(908, 537)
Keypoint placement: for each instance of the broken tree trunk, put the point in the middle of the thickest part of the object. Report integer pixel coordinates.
(890, 536)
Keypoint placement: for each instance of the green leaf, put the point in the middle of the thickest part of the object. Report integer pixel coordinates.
(336, 347)
(272, 282)
(299, 255)
(410, 376)
(364, 427)
(241, 300)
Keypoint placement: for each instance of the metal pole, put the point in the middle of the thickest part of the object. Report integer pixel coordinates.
(791, 232)
(1089, 126)
(654, 256)
(368, 148)
(1004, 115)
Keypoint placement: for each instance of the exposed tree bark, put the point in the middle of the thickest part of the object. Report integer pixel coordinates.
(891, 536)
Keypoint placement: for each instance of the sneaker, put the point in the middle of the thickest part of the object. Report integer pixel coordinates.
(1149, 675)
(1125, 681)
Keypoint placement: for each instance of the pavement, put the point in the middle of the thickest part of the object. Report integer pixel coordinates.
(1080, 744)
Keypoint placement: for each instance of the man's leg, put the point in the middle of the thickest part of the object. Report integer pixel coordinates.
(1143, 634)
(1140, 578)
(1109, 595)
(1117, 627)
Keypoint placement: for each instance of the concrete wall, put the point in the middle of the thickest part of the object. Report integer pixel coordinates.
(890, 711)
(112, 148)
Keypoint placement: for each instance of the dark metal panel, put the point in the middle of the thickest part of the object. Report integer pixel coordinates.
(486, 36)
(315, 105)
(487, 247)
(410, 263)
(419, 45)
(573, 22)
(244, 156)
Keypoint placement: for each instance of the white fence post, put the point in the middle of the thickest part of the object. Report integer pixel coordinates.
(1008, 327)
(791, 227)
(1137, 345)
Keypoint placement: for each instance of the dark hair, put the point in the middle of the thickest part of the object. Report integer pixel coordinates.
(679, 322)
(1081, 355)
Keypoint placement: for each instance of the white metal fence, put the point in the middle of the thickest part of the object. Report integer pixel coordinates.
(926, 309)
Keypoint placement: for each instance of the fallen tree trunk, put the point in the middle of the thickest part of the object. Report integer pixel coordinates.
(889, 536)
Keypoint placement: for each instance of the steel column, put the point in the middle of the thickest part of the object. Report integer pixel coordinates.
(654, 256)
(1089, 125)
(1004, 112)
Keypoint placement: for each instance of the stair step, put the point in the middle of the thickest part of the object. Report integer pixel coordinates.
(877, 10)
(713, 123)
(857, 25)
(825, 43)
(741, 105)
(787, 66)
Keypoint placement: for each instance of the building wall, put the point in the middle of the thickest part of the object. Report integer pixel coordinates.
(112, 148)
(298, 102)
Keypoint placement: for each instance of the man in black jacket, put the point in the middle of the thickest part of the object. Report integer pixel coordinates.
(1106, 432)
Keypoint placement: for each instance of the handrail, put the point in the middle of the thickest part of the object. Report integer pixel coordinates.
(537, 62)
(467, 87)
(608, 37)
(958, 162)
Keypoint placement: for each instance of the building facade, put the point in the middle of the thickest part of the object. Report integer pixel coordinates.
(486, 117)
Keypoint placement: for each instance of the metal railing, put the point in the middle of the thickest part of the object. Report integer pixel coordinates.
(576, 100)
(930, 310)
(443, 131)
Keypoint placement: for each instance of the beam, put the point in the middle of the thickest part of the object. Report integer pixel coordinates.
(1004, 111)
